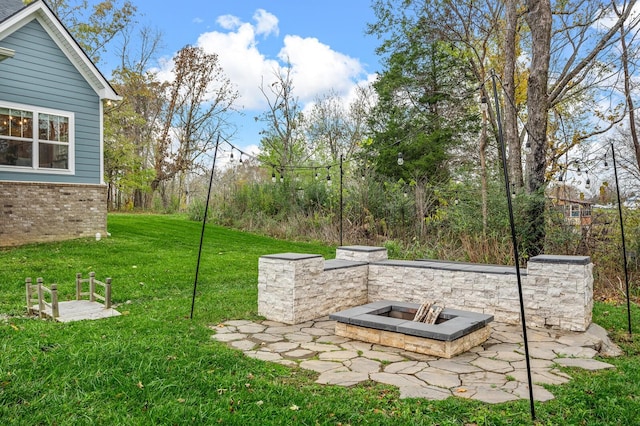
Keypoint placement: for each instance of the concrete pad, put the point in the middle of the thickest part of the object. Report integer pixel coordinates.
(342, 378)
(536, 364)
(336, 340)
(492, 395)
(521, 390)
(427, 392)
(509, 356)
(239, 322)
(337, 355)
(269, 323)
(320, 347)
(576, 352)
(298, 337)
(539, 377)
(439, 378)
(483, 378)
(505, 347)
(299, 354)
(382, 356)
(494, 365)
(406, 367)
(228, 337)
(284, 329)
(251, 328)
(267, 338)
(363, 365)
(243, 345)
(399, 380)
(321, 366)
(325, 324)
(540, 353)
(283, 346)
(264, 356)
(316, 331)
(455, 367)
(586, 364)
(223, 328)
(357, 345)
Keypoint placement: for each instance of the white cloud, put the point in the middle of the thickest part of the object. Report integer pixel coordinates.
(266, 23)
(315, 68)
(228, 22)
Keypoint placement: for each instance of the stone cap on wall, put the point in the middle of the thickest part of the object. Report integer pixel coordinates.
(560, 258)
(450, 266)
(340, 264)
(290, 256)
(366, 249)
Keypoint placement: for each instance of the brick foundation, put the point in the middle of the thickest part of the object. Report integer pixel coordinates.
(33, 212)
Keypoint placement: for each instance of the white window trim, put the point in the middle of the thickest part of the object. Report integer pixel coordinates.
(72, 141)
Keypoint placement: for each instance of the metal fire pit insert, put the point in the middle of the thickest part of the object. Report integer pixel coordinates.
(390, 323)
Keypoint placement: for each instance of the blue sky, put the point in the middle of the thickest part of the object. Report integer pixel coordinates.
(324, 40)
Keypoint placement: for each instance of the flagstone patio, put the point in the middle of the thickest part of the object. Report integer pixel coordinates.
(493, 372)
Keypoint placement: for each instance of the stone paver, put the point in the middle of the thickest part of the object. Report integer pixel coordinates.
(493, 372)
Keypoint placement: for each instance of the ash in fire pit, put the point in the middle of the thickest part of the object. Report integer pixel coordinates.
(391, 323)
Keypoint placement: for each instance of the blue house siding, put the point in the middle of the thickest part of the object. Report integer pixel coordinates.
(40, 75)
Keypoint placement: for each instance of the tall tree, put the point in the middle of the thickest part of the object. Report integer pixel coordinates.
(198, 102)
(131, 124)
(422, 114)
(625, 62)
(574, 66)
(335, 127)
(283, 142)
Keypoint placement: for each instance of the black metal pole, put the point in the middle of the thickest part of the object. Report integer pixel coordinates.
(341, 229)
(514, 240)
(204, 222)
(624, 247)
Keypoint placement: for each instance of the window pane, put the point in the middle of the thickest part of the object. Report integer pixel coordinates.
(17, 123)
(63, 129)
(27, 124)
(16, 153)
(53, 128)
(54, 156)
(4, 122)
(43, 127)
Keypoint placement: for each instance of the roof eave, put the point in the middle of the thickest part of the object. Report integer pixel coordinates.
(68, 45)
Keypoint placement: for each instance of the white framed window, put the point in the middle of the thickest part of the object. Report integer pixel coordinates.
(574, 210)
(36, 139)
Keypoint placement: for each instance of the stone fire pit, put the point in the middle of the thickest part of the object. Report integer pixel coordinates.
(391, 323)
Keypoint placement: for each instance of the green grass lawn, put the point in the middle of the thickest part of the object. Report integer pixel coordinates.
(154, 365)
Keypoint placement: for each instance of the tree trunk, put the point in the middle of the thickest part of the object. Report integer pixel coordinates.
(511, 137)
(483, 172)
(539, 19)
(627, 94)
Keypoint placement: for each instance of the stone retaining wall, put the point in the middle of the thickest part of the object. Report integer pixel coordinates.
(33, 212)
(557, 290)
